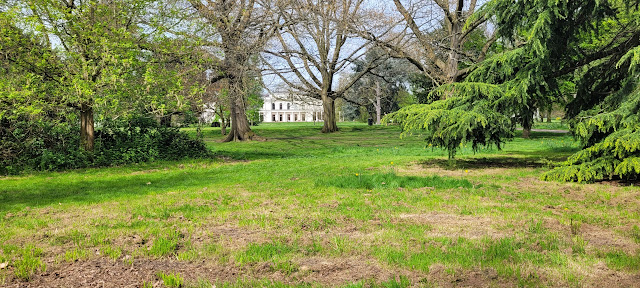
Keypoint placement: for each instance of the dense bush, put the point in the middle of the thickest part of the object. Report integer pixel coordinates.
(49, 146)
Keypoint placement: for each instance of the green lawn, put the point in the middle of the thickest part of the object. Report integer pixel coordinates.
(357, 208)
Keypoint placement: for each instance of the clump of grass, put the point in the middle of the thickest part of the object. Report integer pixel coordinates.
(536, 227)
(263, 252)
(112, 252)
(391, 180)
(622, 261)
(579, 245)
(396, 282)
(164, 245)
(75, 255)
(277, 253)
(575, 226)
(28, 263)
(635, 233)
(171, 280)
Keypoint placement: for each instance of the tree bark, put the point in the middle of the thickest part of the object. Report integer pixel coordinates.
(454, 56)
(329, 115)
(240, 129)
(378, 105)
(526, 133)
(87, 135)
(549, 115)
(223, 128)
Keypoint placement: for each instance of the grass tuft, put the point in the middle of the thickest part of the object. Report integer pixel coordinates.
(165, 245)
(171, 280)
(28, 263)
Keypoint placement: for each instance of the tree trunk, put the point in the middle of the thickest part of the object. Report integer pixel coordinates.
(454, 56)
(87, 135)
(223, 128)
(378, 105)
(526, 133)
(240, 129)
(165, 121)
(329, 116)
(549, 115)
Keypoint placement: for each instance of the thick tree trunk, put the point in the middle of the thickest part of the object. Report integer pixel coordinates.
(329, 116)
(378, 105)
(240, 129)
(454, 56)
(87, 135)
(526, 133)
(549, 115)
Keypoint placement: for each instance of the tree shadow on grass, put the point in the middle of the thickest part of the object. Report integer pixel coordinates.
(496, 162)
(95, 189)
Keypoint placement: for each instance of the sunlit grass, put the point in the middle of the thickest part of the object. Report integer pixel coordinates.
(362, 193)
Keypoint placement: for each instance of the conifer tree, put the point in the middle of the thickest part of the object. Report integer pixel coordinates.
(546, 42)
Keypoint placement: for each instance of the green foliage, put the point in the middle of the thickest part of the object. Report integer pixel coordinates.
(421, 86)
(552, 49)
(611, 140)
(470, 115)
(50, 146)
(140, 139)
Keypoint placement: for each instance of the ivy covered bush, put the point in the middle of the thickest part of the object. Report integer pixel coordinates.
(51, 145)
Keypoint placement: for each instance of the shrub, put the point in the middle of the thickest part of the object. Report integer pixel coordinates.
(55, 145)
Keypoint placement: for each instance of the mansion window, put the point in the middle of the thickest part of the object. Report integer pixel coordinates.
(273, 106)
(280, 106)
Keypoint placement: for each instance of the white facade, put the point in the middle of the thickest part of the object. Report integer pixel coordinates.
(288, 108)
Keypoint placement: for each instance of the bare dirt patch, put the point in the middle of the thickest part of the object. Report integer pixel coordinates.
(451, 225)
(106, 273)
(602, 276)
(466, 278)
(596, 236)
(426, 169)
(336, 271)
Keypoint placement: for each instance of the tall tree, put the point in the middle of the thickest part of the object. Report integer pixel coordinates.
(321, 42)
(547, 41)
(96, 43)
(381, 89)
(243, 28)
(441, 31)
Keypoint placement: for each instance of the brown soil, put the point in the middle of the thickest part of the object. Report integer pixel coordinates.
(451, 225)
(336, 271)
(602, 276)
(107, 273)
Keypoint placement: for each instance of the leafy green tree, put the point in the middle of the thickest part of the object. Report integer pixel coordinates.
(95, 55)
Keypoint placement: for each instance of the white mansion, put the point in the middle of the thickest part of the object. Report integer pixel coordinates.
(284, 107)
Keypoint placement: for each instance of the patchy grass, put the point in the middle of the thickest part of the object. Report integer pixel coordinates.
(391, 180)
(356, 208)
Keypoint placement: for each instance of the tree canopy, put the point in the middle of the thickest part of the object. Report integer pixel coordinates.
(545, 45)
